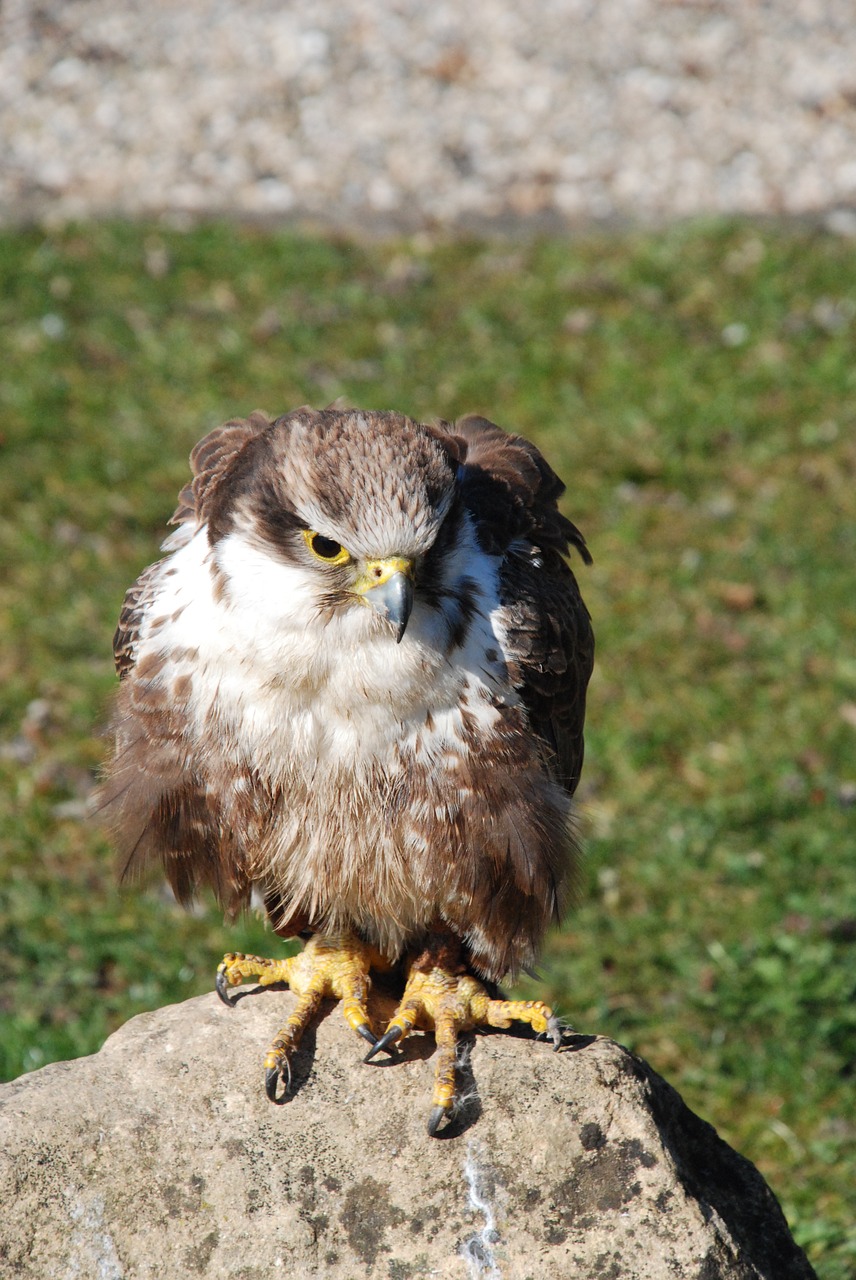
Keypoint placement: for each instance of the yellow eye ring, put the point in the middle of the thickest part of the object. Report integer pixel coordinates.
(328, 550)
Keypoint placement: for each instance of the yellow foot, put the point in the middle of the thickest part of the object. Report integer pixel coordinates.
(334, 967)
(448, 1003)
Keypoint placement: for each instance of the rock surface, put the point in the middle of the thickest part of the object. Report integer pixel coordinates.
(405, 114)
(161, 1157)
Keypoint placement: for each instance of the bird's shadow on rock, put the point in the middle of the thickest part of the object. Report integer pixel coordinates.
(468, 1108)
(571, 1041)
(244, 993)
(304, 1056)
(419, 1046)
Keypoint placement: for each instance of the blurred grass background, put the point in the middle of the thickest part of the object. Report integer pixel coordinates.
(697, 390)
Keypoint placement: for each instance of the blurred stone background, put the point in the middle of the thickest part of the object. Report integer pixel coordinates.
(394, 114)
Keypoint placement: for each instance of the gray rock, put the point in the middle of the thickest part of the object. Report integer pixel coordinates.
(160, 1157)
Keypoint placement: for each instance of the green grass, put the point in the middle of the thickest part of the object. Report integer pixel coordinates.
(697, 389)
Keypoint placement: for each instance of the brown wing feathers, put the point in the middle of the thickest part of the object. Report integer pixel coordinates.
(512, 493)
(136, 602)
(513, 490)
(209, 461)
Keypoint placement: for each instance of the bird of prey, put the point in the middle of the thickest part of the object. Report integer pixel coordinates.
(356, 685)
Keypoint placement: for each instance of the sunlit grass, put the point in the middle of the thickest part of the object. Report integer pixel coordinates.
(697, 389)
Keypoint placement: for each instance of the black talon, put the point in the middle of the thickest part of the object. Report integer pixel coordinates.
(367, 1033)
(435, 1119)
(387, 1039)
(272, 1078)
(222, 988)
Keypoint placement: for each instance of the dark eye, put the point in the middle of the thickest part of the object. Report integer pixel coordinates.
(327, 549)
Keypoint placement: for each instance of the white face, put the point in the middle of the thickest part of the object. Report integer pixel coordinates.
(290, 644)
(302, 616)
(299, 562)
(264, 589)
(295, 681)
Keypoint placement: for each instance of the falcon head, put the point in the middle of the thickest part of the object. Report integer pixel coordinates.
(320, 514)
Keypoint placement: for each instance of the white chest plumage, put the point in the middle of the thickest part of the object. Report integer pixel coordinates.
(290, 690)
(360, 739)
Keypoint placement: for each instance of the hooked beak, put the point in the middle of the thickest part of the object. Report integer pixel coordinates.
(387, 585)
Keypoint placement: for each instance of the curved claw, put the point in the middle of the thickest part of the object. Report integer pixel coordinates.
(387, 1039)
(272, 1078)
(435, 1120)
(366, 1032)
(554, 1031)
(221, 985)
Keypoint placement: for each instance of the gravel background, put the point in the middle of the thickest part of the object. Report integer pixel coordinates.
(401, 113)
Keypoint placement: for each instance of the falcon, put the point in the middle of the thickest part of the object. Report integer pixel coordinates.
(355, 687)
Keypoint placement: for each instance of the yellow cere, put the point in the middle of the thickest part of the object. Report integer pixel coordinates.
(377, 572)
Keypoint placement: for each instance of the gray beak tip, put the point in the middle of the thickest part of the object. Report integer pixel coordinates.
(393, 600)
